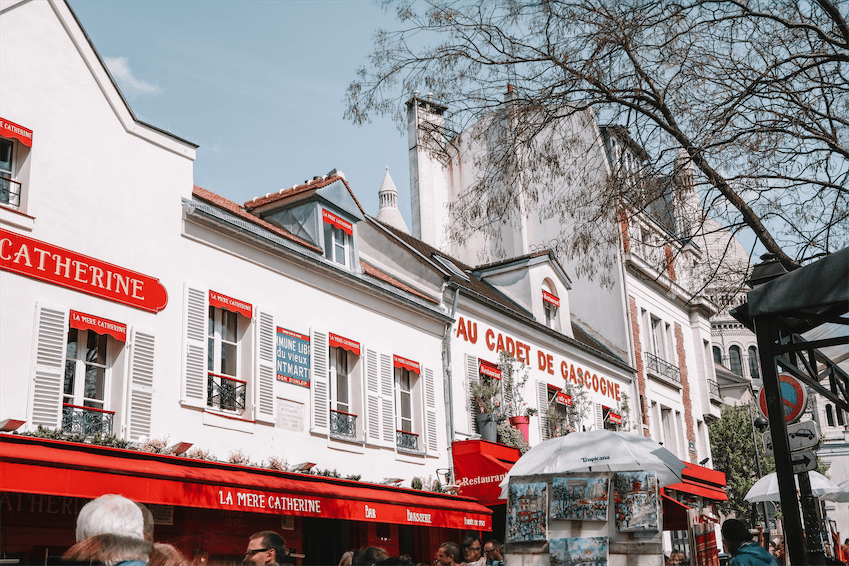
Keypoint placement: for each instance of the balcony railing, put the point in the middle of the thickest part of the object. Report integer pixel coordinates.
(713, 390)
(227, 393)
(662, 368)
(407, 441)
(343, 425)
(86, 420)
(10, 192)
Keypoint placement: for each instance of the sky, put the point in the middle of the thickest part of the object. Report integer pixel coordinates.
(259, 85)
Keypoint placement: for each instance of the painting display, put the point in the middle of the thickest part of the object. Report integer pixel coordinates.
(635, 496)
(590, 551)
(526, 511)
(579, 499)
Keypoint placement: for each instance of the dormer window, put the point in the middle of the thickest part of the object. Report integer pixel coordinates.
(550, 304)
(338, 244)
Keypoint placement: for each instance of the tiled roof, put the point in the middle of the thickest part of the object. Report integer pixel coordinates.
(230, 206)
(549, 253)
(309, 187)
(386, 278)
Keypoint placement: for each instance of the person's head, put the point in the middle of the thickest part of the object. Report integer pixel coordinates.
(735, 533)
(471, 549)
(265, 547)
(109, 549)
(166, 555)
(110, 514)
(368, 555)
(492, 551)
(448, 553)
(346, 558)
(147, 516)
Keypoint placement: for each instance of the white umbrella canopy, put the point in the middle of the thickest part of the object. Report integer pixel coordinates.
(598, 451)
(841, 496)
(766, 488)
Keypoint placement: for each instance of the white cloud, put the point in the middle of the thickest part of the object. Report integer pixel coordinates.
(130, 85)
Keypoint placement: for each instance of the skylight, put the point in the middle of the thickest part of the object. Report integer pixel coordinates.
(449, 265)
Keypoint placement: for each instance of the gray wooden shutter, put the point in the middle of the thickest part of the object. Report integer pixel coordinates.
(387, 400)
(431, 439)
(194, 374)
(599, 416)
(319, 383)
(372, 389)
(542, 401)
(141, 383)
(472, 376)
(263, 383)
(51, 333)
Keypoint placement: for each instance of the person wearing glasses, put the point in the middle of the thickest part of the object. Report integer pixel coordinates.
(266, 548)
(492, 553)
(472, 551)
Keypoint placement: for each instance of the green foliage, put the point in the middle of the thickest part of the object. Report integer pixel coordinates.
(487, 394)
(97, 439)
(416, 483)
(733, 452)
(514, 377)
(511, 436)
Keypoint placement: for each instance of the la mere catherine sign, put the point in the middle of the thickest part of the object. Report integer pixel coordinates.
(39, 260)
(540, 359)
(293, 357)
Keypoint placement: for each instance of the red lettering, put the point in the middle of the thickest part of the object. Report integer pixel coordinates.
(617, 392)
(527, 353)
(572, 374)
(490, 336)
(461, 329)
(550, 363)
(564, 370)
(500, 346)
(541, 359)
(595, 382)
(472, 328)
(520, 351)
(511, 347)
(580, 376)
(602, 386)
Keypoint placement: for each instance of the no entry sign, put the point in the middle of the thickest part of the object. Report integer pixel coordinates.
(794, 398)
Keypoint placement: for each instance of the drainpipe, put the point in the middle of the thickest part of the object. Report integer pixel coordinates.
(446, 384)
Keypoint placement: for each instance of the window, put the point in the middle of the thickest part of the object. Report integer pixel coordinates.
(550, 304)
(829, 415)
(335, 245)
(754, 372)
(611, 419)
(339, 396)
(408, 414)
(85, 384)
(658, 338)
(224, 388)
(717, 355)
(404, 399)
(840, 420)
(10, 191)
(344, 397)
(735, 359)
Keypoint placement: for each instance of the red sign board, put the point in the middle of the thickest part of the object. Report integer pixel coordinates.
(490, 370)
(11, 130)
(82, 321)
(614, 418)
(794, 398)
(231, 304)
(563, 398)
(479, 467)
(404, 363)
(337, 222)
(52, 264)
(549, 298)
(337, 341)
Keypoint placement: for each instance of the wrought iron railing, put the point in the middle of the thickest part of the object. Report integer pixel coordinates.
(713, 389)
(225, 392)
(343, 425)
(407, 441)
(86, 420)
(662, 368)
(10, 192)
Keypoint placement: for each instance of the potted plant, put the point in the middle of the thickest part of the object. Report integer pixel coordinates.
(487, 395)
(513, 381)
(563, 419)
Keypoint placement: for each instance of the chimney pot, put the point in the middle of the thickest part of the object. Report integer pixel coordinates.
(509, 88)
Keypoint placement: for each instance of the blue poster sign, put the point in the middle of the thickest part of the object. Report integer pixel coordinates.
(293, 357)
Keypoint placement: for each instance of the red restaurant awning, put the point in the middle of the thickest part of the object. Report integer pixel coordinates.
(479, 466)
(701, 481)
(674, 514)
(52, 467)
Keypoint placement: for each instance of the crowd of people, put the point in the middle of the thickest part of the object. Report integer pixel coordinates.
(115, 531)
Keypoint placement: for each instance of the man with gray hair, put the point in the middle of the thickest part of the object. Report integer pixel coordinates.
(110, 514)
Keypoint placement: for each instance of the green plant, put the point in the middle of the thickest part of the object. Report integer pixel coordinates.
(487, 394)
(436, 487)
(569, 418)
(416, 483)
(511, 436)
(513, 381)
(355, 477)
(155, 446)
(239, 457)
(199, 454)
(275, 463)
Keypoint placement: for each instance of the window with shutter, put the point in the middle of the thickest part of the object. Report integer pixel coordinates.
(542, 400)
(472, 377)
(373, 398)
(320, 386)
(266, 356)
(193, 387)
(387, 400)
(50, 332)
(430, 427)
(141, 384)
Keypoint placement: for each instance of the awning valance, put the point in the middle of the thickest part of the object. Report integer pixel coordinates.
(229, 303)
(479, 466)
(83, 321)
(337, 341)
(51, 467)
(674, 514)
(11, 130)
(701, 481)
(404, 363)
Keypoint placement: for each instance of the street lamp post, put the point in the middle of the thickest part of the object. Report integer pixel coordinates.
(761, 424)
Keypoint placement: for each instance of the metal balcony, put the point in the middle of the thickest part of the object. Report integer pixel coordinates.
(407, 441)
(662, 368)
(713, 390)
(343, 425)
(10, 192)
(226, 393)
(86, 420)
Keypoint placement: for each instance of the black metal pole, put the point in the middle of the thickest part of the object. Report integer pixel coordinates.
(758, 460)
(810, 511)
(768, 335)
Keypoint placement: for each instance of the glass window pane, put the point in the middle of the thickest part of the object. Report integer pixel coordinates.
(210, 355)
(228, 359)
(406, 406)
(95, 382)
(328, 241)
(95, 348)
(6, 158)
(211, 324)
(70, 371)
(735, 360)
(71, 350)
(229, 325)
(753, 363)
(717, 355)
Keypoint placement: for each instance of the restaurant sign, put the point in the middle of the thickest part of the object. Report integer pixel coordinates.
(52, 264)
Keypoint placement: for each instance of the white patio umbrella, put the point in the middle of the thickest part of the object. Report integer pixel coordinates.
(766, 488)
(598, 451)
(841, 496)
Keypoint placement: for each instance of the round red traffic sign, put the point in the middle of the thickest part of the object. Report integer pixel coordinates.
(794, 398)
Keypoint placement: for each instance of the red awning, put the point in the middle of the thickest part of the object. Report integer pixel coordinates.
(549, 298)
(52, 467)
(701, 481)
(337, 341)
(674, 514)
(479, 466)
(489, 369)
(83, 321)
(404, 363)
(337, 222)
(233, 305)
(12, 130)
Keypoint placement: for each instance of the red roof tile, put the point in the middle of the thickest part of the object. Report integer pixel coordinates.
(386, 278)
(312, 186)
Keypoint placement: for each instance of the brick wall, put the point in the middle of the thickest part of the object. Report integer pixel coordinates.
(685, 391)
(638, 355)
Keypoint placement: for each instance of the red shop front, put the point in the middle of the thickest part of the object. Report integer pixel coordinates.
(210, 508)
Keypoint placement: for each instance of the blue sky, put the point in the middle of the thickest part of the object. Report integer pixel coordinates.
(258, 84)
